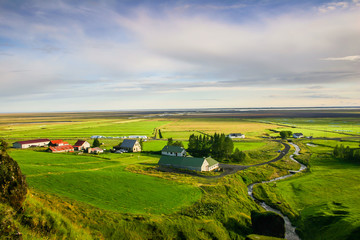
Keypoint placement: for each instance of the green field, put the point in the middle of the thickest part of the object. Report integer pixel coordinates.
(103, 182)
(77, 192)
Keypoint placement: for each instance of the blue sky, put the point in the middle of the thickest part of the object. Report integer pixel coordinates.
(113, 55)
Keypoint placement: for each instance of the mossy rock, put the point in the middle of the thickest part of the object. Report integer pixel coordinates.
(268, 224)
(13, 187)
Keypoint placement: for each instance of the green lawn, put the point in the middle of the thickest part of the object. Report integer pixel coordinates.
(103, 182)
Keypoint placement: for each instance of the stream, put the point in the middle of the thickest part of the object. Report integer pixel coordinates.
(290, 233)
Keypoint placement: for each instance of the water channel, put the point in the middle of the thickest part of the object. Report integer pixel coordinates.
(290, 233)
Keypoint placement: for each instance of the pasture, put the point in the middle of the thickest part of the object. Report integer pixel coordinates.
(326, 199)
(103, 182)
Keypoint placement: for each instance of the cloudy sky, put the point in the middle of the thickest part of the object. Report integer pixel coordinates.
(67, 55)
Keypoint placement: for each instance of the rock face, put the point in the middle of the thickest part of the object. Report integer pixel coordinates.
(268, 224)
(13, 187)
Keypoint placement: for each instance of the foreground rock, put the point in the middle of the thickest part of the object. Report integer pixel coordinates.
(13, 187)
(268, 224)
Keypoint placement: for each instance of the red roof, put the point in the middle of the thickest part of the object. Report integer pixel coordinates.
(61, 148)
(34, 141)
(56, 141)
(79, 143)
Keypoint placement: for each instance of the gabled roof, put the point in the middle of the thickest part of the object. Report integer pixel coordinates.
(79, 143)
(185, 161)
(128, 143)
(56, 141)
(34, 141)
(211, 161)
(61, 148)
(174, 149)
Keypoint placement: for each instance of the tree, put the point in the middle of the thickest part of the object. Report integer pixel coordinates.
(96, 143)
(170, 142)
(285, 134)
(141, 142)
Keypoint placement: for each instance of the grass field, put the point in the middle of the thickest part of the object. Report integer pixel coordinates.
(326, 199)
(103, 182)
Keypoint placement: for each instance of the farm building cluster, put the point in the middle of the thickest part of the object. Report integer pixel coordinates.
(57, 146)
(171, 156)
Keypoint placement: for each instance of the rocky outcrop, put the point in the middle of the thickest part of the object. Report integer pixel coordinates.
(13, 187)
(268, 224)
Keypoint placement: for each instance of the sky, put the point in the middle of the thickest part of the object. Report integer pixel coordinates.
(72, 55)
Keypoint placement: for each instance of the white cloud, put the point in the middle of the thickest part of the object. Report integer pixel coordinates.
(347, 58)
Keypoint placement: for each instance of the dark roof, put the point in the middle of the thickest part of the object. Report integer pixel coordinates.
(79, 143)
(174, 149)
(298, 134)
(128, 143)
(185, 161)
(34, 141)
(236, 134)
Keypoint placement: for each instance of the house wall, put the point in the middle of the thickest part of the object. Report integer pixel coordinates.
(182, 154)
(27, 145)
(137, 147)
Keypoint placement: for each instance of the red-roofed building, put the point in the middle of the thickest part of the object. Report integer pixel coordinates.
(58, 143)
(31, 143)
(81, 145)
(64, 148)
(95, 150)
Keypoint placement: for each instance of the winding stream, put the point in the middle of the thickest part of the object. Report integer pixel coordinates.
(290, 233)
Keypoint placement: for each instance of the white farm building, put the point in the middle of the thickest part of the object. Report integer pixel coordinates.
(173, 151)
(32, 143)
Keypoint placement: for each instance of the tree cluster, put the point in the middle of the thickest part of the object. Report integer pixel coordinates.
(285, 134)
(176, 143)
(347, 153)
(218, 146)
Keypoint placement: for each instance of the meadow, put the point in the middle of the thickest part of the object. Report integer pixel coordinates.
(77, 192)
(324, 201)
(103, 182)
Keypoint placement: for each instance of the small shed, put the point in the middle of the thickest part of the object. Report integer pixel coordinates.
(173, 151)
(95, 150)
(236, 135)
(298, 135)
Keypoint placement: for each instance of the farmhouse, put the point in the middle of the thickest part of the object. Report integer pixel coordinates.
(58, 143)
(81, 145)
(190, 163)
(236, 135)
(298, 135)
(131, 145)
(95, 150)
(58, 149)
(173, 151)
(31, 143)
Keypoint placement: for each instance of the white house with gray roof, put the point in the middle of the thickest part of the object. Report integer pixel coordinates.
(131, 145)
(173, 151)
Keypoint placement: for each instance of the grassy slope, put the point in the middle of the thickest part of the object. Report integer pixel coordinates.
(326, 198)
(102, 182)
